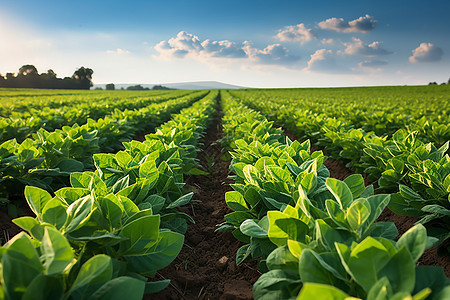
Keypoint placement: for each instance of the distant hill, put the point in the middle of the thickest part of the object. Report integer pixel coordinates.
(196, 85)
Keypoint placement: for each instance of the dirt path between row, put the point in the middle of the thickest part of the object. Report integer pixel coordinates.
(206, 267)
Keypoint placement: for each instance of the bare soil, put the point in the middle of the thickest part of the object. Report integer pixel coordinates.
(206, 267)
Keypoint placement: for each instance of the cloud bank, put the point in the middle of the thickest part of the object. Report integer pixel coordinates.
(296, 33)
(186, 45)
(362, 24)
(359, 48)
(324, 61)
(426, 52)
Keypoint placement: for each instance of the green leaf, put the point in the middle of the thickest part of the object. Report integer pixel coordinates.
(414, 240)
(242, 254)
(57, 254)
(142, 234)
(120, 288)
(36, 198)
(44, 287)
(313, 268)
(160, 255)
(381, 290)
(181, 201)
(54, 213)
(355, 183)
(78, 213)
(156, 286)
(276, 284)
(319, 291)
(358, 213)
(70, 165)
(92, 275)
(340, 191)
(20, 266)
(236, 201)
(196, 171)
(251, 228)
(281, 258)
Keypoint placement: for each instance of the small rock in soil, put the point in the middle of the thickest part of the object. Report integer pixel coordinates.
(222, 263)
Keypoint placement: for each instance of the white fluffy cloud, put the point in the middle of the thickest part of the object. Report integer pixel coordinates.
(362, 24)
(324, 61)
(189, 45)
(426, 52)
(296, 33)
(359, 48)
(118, 51)
(271, 55)
(372, 65)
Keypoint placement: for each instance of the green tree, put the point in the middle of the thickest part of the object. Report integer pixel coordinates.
(110, 87)
(83, 77)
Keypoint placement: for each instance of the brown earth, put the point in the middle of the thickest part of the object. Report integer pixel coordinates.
(206, 267)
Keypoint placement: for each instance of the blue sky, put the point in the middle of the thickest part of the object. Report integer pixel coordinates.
(248, 43)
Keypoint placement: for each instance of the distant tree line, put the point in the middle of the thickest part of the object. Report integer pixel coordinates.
(435, 83)
(138, 87)
(28, 77)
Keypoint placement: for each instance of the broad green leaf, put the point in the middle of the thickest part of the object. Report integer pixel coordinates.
(20, 265)
(54, 213)
(251, 228)
(336, 213)
(236, 201)
(156, 286)
(112, 209)
(340, 191)
(262, 162)
(400, 271)
(276, 284)
(242, 254)
(78, 213)
(282, 258)
(414, 240)
(36, 198)
(381, 290)
(57, 254)
(313, 268)
(355, 183)
(44, 287)
(120, 288)
(160, 255)
(250, 173)
(92, 275)
(358, 213)
(181, 201)
(142, 234)
(319, 291)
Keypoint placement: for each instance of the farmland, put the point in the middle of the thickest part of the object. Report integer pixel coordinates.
(218, 194)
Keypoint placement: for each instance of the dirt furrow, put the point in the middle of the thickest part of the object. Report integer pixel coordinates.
(206, 267)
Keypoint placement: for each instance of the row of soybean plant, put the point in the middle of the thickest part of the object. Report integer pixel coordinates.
(316, 237)
(47, 159)
(20, 124)
(112, 229)
(407, 164)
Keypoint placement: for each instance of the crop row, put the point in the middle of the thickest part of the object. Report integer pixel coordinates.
(316, 237)
(106, 233)
(407, 163)
(382, 110)
(47, 159)
(25, 100)
(22, 124)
